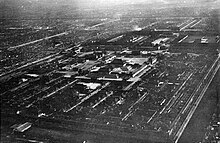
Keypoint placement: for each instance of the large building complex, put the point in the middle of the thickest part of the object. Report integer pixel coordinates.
(143, 83)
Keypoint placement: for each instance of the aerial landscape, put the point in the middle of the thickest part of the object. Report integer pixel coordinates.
(110, 71)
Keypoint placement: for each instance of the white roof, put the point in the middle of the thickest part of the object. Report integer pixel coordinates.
(23, 127)
(91, 85)
(159, 40)
(33, 75)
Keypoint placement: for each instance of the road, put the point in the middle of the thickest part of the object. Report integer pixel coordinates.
(151, 24)
(196, 23)
(175, 96)
(103, 23)
(39, 40)
(87, 97)
(189, 116)
(30, 63)
(102, 99)
(57, 35)
(187, 25)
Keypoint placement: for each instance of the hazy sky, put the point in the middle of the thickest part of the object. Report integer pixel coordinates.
(95, 3)
(99, 3)
(92, 2)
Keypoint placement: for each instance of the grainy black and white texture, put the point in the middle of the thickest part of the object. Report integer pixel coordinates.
(110, 71)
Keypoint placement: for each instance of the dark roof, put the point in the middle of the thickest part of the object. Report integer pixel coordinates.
(117, 61)
(94, 75)
(124, 68)
(114, 76)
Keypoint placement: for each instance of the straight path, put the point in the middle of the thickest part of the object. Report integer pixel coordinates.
(39, 40)
(184, 27)
(87, 97)
(189, 116)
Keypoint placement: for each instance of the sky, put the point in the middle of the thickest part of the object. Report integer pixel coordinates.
(16, 6)
(104, 3)
(91, 3)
